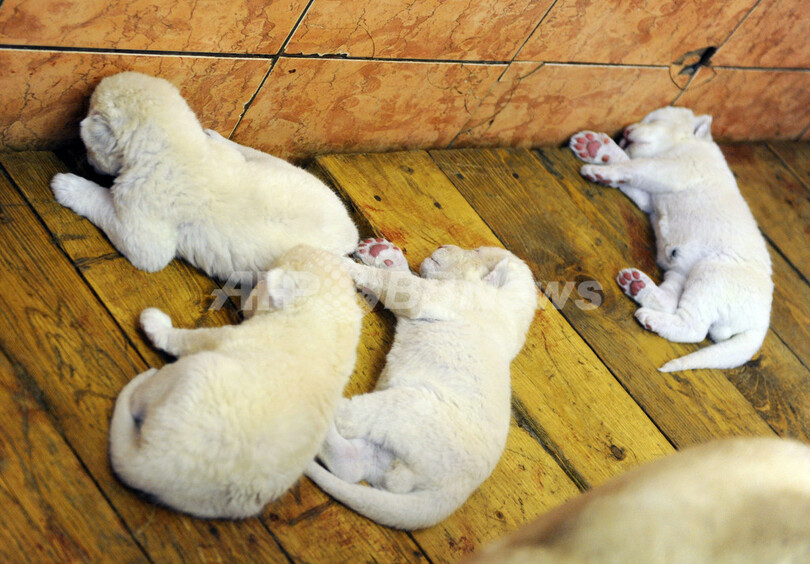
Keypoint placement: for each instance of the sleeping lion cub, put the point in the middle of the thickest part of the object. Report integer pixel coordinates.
(718, 272)
(733, 501)
(436, 425)
(233, 422)
(184, 191)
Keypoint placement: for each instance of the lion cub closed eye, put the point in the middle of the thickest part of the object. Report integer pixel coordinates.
(231, 424)
(718, 272)
(436, 425)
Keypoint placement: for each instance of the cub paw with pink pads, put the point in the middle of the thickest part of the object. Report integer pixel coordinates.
(596, 148)
(633, 282)
(380, 253)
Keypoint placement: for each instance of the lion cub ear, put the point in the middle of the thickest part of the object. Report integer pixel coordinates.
(703, 127)
(97, 133)
(499, 275)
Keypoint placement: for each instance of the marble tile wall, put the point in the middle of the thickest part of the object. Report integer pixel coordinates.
(305, 77)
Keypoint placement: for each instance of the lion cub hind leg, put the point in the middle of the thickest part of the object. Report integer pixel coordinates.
(596, 148)
(678, 327)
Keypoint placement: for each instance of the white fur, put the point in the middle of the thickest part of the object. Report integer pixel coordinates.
(231, 424)
(718, 271)
(183, 191)
(737, 501)
(436, 425)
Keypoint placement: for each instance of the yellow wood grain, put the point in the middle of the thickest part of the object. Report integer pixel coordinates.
(777, 382)
(66, 343)
(180, 290)
(564, 396)
(185, 294)
(779, 201)
(52, 511)
(795, 156)
(537, 214)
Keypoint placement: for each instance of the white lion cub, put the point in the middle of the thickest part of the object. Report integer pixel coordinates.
(184, 191)
(233, 422)
(718, 271)
(436, 425)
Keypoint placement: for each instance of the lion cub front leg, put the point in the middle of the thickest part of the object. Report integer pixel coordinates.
(178, 342)
(597, 148)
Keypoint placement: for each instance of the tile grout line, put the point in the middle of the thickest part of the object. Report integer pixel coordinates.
(498, 80)
(740, 23)
(340, 57)
(280, 52)
(336, 57)
(736, 27)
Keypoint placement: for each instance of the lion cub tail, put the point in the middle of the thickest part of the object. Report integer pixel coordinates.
(413, 510)
(731, 353)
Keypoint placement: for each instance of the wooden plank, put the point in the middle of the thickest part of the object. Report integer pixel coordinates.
(180, 290)
(59, 334)
(790, 311)
(52, 511)
(405, 198)
(536, 212)
(796, 156)
(186, 294)
(778, 200)
(776, 383)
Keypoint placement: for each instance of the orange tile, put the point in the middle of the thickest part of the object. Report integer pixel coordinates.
(316, 106)
(45, 94)
(485, 30)
(216, 26)
(655, 32)
(537, 104)
(753, 104)
(774, 35)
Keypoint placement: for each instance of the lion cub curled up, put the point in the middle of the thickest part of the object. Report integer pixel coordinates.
(233, 422)
(436, 425)
(717, 278)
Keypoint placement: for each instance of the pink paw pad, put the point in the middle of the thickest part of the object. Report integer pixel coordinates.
(631, 281)
(589, 144)
(381, 253)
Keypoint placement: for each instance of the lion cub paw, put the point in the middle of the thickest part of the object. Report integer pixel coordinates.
(634, 283)
(68, 189)
(380, 253)
(156, 324)
(596, 148)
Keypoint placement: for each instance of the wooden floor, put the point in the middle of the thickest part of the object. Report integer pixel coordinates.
(588, 401)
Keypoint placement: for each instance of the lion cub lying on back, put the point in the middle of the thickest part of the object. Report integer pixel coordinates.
(718, 272)
(231, 424)
(436, 425)
(184, 191)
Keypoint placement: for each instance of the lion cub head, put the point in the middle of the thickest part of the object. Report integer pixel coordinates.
(301, 275)
(125, 106)
(492, 265)
(663, 129)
